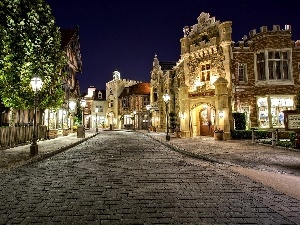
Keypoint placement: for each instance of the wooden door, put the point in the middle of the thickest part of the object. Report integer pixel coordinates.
(206, 119)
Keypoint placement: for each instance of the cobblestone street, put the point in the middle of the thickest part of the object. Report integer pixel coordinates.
(120, 177)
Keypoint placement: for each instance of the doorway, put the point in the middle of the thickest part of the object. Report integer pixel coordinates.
(207, 121)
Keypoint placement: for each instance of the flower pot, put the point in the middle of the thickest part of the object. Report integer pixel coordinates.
(219, 136)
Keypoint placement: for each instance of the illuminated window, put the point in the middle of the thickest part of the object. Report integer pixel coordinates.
(270, 110)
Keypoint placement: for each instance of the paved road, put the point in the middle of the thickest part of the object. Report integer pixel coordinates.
(128, 178)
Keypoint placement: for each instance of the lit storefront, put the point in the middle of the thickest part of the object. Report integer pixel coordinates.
(270, 110)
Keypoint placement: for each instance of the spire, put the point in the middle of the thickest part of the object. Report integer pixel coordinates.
(155, 61)
(116, 75)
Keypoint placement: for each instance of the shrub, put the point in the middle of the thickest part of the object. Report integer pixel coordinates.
(239, 121)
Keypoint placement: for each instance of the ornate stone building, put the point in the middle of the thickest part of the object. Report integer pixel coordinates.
(214, 77)
(203, 78)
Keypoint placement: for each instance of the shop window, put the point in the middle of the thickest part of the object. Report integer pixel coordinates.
(263, 119)
(278, 104)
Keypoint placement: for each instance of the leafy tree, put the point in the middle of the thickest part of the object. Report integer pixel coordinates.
(30, 44)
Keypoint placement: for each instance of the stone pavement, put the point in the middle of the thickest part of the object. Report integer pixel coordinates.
(264, 164)
(128, 178)
(276, 167)
(20, 155)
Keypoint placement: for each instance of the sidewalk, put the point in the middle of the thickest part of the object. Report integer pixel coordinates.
(20, 155)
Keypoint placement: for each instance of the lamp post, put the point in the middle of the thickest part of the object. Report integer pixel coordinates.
(166, 98)
(134, 112)
(36, 84)
(148, 107)
(96, 110)
(82, 104)
(72, 106)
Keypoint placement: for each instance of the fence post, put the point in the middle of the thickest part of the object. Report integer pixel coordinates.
(277, 135)
(273, 138)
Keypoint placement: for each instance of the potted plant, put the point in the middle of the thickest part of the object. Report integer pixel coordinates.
(219, 134)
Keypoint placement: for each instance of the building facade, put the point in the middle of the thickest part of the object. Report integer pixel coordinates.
(133, 103)
(162, 81)
(95, 109)
(214, 77)
(265, 68)
(60, 121)
(113, 90)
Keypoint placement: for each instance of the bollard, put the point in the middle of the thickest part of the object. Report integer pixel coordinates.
(273, 138)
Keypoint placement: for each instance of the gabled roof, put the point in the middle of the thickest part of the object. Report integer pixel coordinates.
(137, 89)
(167, 65)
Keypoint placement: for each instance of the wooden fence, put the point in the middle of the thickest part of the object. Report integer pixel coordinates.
(14, 136)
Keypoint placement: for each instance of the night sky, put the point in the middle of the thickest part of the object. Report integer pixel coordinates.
(126, 34)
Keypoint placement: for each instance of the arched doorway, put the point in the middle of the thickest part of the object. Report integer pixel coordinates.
(203, 119)
(207, 121)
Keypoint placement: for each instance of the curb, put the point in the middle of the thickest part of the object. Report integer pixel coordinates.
(183, 151)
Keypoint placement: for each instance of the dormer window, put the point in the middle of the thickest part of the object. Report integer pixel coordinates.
(99, 95)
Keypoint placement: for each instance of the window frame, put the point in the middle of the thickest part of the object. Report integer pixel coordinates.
(266, 67)
(242, 73)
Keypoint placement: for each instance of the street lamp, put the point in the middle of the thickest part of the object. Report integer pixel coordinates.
(134, 112)
(36, 84)
(148, 107)
(96, 110)
(166, 98)
(72, 106)
(82, 104)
